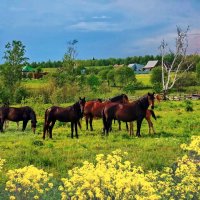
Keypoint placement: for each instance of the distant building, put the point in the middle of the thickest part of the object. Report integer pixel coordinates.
(116, 65)
(27, 69)
(150, 65)
(137, 68)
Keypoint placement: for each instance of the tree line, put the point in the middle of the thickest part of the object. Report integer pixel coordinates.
(69, 79)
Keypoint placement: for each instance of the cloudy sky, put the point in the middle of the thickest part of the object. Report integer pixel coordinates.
(103, 28)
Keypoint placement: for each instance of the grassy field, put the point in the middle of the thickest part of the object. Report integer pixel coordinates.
(144, 78)
(174, 126)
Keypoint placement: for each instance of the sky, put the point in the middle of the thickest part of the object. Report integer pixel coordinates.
(103, 28)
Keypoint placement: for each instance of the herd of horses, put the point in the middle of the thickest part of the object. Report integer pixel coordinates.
(117, 108)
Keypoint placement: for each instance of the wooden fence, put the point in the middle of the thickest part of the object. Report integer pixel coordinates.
(174, 97)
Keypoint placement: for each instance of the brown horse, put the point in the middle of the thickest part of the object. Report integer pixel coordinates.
(69, 114)
(149, 113)
(128, 112)
(18, 114)
(94, 108)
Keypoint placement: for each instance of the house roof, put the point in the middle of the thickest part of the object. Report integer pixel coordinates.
(151, 64)
(136, 65)
(27, 69)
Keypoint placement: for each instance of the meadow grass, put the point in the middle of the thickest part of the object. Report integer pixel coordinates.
(144, 78)
(174, 126)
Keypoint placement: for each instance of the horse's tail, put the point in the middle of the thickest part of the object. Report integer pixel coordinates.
(153, 114)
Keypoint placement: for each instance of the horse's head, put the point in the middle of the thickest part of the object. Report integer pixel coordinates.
(151, 99)
(125, 98)
(82, 104)
(33, 120)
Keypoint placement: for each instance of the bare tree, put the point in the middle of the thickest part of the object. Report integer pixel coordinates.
(171, 72)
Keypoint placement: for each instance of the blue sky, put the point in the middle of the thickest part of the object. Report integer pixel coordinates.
(103, 28)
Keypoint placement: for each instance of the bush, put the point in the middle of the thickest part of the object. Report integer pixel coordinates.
(20, 94)
(188, 106)
(5, 95)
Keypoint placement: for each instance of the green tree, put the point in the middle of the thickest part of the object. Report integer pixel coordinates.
(69, 57)
(14, 56)
(156, 79)
(65, 73)
(198, 73)
(124, 75)
(111, 77)
(93, 81)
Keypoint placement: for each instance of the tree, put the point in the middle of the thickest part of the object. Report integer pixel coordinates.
(69, 57)
(124, 75)
(198, 72)
(111, 77)
(66, 71)
(14, 56)
(156, 79)
(172, 71)
(93, 82)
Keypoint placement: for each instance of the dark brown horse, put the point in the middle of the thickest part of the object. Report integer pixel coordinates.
(128, 112)
(69, 114)
(94, 108)
(18, 114)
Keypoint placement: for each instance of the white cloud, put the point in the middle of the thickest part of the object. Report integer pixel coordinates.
(95, 26)
(101, 17)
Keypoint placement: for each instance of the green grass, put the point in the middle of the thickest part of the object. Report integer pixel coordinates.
(174, 126)
(144, 78)
(35, 83)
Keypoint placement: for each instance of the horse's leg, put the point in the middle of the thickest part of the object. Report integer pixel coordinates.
(131, 129)
(2, 124)
(109, 126)
(72, 129)
(151, 125)
(24, 125)
(45, 129)
(76, 131)
(139, 123)
(86, 121)
(17, 125)
(119, 122)
(91, 119)
(127, 126)
(51, 125)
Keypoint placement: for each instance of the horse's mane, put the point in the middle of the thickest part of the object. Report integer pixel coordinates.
(118, 97)
(142, 100)
(99, 100)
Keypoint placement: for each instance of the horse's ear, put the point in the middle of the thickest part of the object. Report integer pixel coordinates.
(80, 98)
(153, 93)
(148, 94)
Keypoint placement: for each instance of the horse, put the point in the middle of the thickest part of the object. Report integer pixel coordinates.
(149, 113)
(24, 114)
(93, 108)
(128, 112)
(69, 114)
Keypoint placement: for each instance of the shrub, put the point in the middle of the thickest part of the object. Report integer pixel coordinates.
(20, 94)
(188, 106)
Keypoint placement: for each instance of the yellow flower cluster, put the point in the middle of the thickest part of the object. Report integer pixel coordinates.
(28, 182)
(113, 178)
(2, 161)
(109, 178)
(194, 146)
